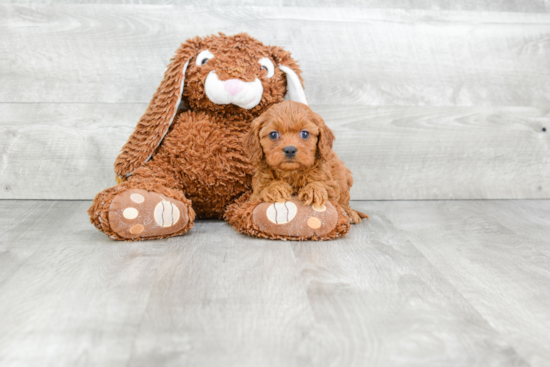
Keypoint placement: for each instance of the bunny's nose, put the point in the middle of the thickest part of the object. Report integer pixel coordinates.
(290, 151)
(233, 86)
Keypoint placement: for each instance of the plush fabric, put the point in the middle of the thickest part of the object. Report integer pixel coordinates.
(188, 147)
(240, 215)
(160, 178)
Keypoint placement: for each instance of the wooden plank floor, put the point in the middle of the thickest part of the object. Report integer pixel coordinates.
(423, 283)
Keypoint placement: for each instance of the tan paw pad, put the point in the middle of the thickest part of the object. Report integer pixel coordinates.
(137, 229)
(130, 213)
(314, 223)
(137, 198)
(319, 208)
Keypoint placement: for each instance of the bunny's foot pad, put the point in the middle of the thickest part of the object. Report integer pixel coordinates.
(141, 214)
(296, 221)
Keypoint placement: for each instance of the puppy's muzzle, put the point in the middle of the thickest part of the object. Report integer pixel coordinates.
(290, 151)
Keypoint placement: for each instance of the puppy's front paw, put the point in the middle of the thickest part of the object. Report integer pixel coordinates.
(276, 192)
(353, 216)
(313, 195)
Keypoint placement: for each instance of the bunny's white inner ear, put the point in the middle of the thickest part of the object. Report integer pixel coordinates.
(293, 85)
(175, 111)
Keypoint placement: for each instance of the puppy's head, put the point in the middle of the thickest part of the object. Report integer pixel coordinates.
(289, 136)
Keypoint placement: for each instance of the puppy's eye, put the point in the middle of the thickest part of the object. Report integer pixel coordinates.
(304, 134)
(203, 57)
(273, 135)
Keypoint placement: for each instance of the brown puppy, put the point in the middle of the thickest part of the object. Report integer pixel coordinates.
(291, 149)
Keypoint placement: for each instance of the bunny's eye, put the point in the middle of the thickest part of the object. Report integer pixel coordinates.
(203, 57)
(267, 65)
(273, 135)
(304, 134)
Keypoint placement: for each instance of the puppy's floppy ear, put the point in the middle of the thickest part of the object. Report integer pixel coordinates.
(154, 124)
(325, 138)
(251, 141)
(294, 81)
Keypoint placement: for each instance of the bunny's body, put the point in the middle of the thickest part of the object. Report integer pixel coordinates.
(207, 157)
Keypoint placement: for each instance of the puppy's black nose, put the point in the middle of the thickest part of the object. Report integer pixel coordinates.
(290, 151)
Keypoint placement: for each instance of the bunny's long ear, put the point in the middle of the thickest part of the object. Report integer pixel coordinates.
(294, 82)
(154, 124)
(295, 89)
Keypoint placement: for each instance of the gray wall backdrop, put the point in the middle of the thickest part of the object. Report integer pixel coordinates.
(428, 99)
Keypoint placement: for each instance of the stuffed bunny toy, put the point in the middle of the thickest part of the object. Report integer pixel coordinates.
(185, 158)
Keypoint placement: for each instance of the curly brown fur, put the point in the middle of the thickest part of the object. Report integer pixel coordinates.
(314, 172)
(198, 146)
